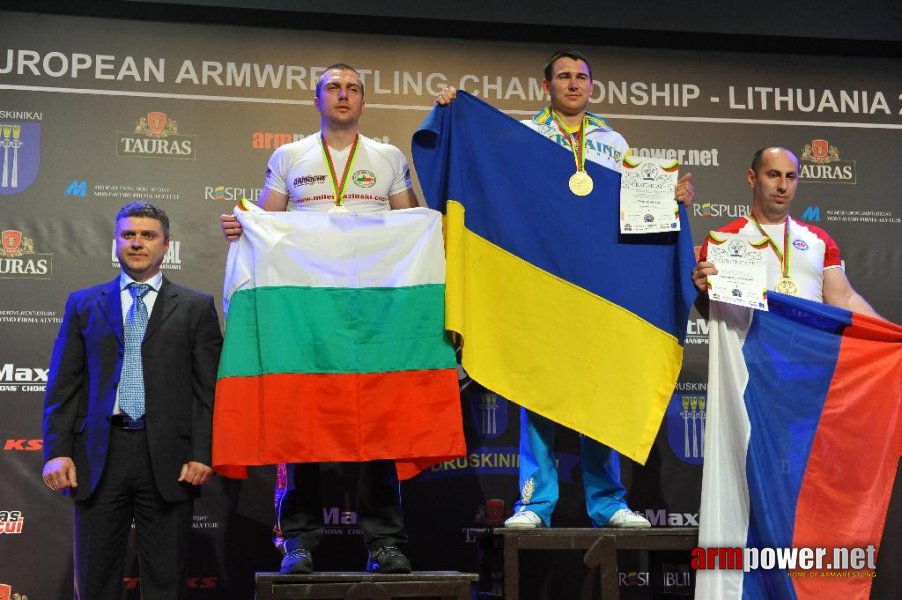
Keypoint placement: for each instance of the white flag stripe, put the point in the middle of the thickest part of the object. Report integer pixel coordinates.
(724, 510)
(395, 249)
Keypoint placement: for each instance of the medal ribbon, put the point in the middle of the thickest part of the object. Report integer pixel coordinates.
(338, 187)
(579, 149)
(783, 257)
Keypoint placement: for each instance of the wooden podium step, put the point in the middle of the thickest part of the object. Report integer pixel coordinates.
(355, 585)
(601, 545)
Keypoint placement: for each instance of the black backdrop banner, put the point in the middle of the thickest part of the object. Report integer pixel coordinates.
(97, 112)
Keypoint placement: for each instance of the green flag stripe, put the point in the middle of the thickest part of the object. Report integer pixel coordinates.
(335, 330)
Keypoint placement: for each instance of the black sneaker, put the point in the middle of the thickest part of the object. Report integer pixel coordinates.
(298, 561)
(387, 559)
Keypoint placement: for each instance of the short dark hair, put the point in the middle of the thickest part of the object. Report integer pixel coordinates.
(142, 208)
(339, 67)
(565, 53)
(759, 155)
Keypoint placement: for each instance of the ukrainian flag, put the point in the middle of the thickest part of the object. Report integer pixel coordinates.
(557, 310)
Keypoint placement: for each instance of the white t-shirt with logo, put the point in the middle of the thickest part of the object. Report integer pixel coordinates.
(813, 252)
(299, 171)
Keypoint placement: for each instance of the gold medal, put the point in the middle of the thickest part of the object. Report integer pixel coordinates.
(338, 209)
(787, 286)
(581, 184)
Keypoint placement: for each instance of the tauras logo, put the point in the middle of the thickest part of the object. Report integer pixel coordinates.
(820, 163)
(156, 135)
(18, 259)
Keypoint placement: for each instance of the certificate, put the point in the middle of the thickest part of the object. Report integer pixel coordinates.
(741, 270)
(647, 189)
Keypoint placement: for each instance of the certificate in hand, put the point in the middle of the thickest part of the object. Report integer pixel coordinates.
(741, 270)
(647, 189)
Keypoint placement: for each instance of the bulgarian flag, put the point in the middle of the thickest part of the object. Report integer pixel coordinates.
(803, 439)
(335, 349)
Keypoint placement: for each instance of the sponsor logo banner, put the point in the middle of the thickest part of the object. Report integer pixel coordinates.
(662, 518)
(693, 157)
(634, 579)
(714, 209)
(11, 522)
(22, 379)
(232, 193)
(677, 578)
(686, 416)
(489, 414)
(697, 331)
(204, 522)
(492, 460)
(24, 444)
(269, 140)
(6, 593)
(30, 317)
(18, 259)
(156, 135)
(489, 514)
(125, 192)
(20, 151)
(821, 163)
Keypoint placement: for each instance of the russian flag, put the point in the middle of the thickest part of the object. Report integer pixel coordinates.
(802, 444)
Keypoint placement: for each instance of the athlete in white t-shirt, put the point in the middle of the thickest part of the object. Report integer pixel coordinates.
(338, 169)
(814, 267)
(300, 171)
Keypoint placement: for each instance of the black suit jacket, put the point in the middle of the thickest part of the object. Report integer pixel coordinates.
(181, 356)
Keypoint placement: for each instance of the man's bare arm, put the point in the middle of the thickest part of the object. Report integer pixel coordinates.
(839, 292)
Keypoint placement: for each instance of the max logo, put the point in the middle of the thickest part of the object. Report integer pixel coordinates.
(9, 372)
(662, 518)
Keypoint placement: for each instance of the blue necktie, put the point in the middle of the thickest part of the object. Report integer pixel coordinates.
(131, 379)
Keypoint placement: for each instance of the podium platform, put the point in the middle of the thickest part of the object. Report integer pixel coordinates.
(355, 585)
(601, 545)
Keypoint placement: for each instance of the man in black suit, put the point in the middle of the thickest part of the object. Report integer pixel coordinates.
(128, 413)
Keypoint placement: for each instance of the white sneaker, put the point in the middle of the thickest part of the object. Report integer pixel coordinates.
(525, 519)
(627, 519)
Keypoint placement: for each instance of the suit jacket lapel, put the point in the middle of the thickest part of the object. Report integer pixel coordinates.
(110, 303)
(167, 300)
